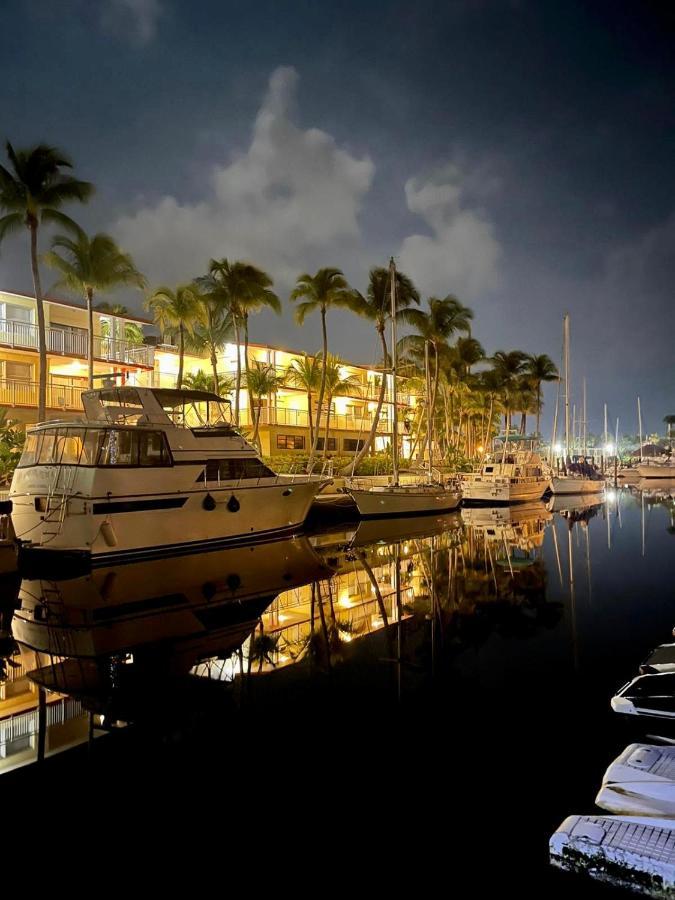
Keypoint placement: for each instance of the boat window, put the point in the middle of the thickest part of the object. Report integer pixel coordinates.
(133, 448)
(30, 450)
(93, 441)
(46, 453)
(152, 450)
(192, 411)
(121, 404)
(68, 447)
(234, 470)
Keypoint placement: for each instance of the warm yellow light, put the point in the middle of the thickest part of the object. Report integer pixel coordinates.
(345, 600)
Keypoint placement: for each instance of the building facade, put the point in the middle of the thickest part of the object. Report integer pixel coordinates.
(125, 354)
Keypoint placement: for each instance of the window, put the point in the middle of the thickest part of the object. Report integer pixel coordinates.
(18, 371)
(290, 442)
(95, 446)
(332, 443)
(351, 445)
(234, 469)
(16, 313)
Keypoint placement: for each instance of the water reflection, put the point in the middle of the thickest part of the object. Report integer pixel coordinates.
(535, 602)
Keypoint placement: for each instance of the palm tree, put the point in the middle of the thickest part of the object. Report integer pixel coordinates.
(200, 381)
(213, 329)
(444, 318)
(180, 310)
(31, 196)
(509, 367)
(376, 306)
(113, 309)
(670, 421)
(238, 289)
(91, 264)
(337, 384)
(326, 289)
(305, 374)
(261, 381)
(537, 370)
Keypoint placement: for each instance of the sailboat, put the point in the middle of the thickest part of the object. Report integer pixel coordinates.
(578, 476)
(398, 499)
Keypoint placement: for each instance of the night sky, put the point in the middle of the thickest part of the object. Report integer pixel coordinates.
(517, 154)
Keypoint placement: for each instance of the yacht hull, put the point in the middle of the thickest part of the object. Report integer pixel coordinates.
(502, 492)
(132, 526)
(404, 502)
(561, 484)
(645, 470)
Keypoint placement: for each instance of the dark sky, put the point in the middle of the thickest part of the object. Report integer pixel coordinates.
(518, 154)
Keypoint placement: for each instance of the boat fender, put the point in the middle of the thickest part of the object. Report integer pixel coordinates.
(233, 504)
(108, 534)
(208, 502)
(287, 492)
(233, 581)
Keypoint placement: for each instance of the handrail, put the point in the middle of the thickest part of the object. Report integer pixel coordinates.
(74, 343)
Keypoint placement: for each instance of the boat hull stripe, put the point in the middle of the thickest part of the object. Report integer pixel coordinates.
(127, 506)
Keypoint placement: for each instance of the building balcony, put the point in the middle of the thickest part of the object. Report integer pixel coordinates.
(299, 418)
(24, 336)
(25, 393)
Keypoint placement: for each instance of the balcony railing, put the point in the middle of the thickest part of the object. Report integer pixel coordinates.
(299, 418)
(25, 393)
(74, 343)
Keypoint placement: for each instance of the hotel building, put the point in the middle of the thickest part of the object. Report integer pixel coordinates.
(125, 354)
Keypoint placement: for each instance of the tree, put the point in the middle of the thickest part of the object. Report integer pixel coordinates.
(305, 374)
(178, 309)
(113, 309)
(92, 264)
(376, 306)
(261, 381)
(444, 318)
(509, 368)
(537, 370)
(337, 384)
(31, 195)
(670, 421)
(327, 288)
(239, 289)
(200, 381)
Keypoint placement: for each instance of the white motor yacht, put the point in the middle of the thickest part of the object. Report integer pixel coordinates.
(146, 472)
(640, 782)
(664, 468)
(512, 476)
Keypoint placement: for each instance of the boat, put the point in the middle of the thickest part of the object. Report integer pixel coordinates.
(628, 851)
(664, 468)
(514, 475)
(576, 475)
(650, 695)
(8, 545)
(395, 499)
(150, 471)
(661, 659)
(640, 781)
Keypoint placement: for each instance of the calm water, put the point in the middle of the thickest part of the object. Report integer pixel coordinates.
(449, 677)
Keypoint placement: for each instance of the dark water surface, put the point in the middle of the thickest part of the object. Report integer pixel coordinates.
(466, 728)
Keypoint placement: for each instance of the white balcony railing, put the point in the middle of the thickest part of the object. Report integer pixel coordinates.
(25, 393)
(74, 343)
(298, 418)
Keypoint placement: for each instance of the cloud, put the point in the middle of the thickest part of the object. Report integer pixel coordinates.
(291, 200)
(137, 17)
(462, 254)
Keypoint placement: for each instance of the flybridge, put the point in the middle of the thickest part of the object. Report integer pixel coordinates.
(157, 406)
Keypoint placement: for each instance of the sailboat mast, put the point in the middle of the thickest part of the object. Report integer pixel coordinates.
(585, 439)
(394, 417)
(427, 376)
(640, 427)
(566, 360)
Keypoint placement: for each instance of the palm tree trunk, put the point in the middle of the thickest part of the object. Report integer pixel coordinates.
(540, 403)
(325, 440)
(309, 416)
(42, 337)
(237, 388)
(246, 366)
(256, 418)
(181, 355)
(90, 343)
(322, 389)
(378, 411)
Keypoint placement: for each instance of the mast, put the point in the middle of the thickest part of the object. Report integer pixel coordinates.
(427, 376)
(604, 449)
(566, 360)
(394, 417)
(585, 447)
(640, 427)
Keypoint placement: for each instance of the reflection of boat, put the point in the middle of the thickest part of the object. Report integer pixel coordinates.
(112, 609)
(647, 695)
(577, 503)
(628, 851)
(392, 530)
(486, 516)
(662, 490)
(508, 477)
(150, 471)
(641, 782)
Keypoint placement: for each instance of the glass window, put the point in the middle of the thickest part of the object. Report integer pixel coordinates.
(46, 456)
(290, 442)
(30, 450)
(68, 446)
(93, 442)
(352, 445)
(152, 452)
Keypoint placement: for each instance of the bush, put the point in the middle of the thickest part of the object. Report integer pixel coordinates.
(12, 439)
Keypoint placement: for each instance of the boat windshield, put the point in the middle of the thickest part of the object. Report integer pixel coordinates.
(188, 410)
(70, 446)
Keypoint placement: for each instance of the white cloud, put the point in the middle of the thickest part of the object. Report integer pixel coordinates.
(139, 17)
(290, 201)
(461, 255)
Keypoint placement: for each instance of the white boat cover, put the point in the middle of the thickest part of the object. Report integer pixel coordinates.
(640, 781)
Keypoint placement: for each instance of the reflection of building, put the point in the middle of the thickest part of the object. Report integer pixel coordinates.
(120, 351)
